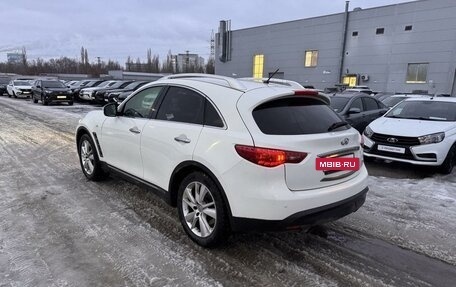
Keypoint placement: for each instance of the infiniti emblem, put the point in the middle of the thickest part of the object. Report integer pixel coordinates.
(392, 140)
(345, 141)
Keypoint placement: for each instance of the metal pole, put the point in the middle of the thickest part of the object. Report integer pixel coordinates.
(344, 40)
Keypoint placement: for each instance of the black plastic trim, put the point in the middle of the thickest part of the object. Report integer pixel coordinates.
(309, 217)
(163, 194)
(97, 143)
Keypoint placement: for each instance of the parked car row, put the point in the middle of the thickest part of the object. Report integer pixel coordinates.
(47, 91)
(101, 92)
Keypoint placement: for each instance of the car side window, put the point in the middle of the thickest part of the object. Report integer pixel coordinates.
(357, 104)
(370, 104)
(140, 105)
(211, 117)
(182, 105)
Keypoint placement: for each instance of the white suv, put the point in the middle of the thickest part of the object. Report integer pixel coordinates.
(420, 131)
(232, 155)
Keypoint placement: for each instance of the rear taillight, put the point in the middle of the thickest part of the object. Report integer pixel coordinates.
(269, 157)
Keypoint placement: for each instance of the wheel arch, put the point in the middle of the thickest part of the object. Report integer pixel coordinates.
(185, 168)
(82, 131)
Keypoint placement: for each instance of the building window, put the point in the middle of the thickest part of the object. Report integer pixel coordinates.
(350, 80)
(380, 31)
(417, 73)
(258, 64)
(355, 33)
(408, 28)
(311, 58)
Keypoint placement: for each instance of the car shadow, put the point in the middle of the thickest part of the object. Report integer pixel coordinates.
(393, 169)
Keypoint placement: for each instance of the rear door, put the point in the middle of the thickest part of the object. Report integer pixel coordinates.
(303, 124)
(371, 110)
(356, 120)
(171, 137)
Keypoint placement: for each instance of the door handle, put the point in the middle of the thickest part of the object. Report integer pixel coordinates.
(182, 139)
(135, 130)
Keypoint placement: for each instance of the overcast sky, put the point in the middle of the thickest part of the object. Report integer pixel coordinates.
(116, 29)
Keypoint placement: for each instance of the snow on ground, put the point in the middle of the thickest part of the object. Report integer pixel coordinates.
(58, 229)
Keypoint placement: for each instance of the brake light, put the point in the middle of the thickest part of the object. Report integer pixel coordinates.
(269, 157)
(306, 93)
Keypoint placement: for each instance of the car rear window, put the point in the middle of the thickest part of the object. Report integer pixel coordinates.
(294, 116)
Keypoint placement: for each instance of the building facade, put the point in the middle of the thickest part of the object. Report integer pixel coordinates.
(396, 48)
(187, 62)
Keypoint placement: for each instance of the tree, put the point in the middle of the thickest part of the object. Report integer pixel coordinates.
(24, 57)
(167, 66)
(128, 64)
(82, 55)
(149, 61)
(86, 57)
(210, 67)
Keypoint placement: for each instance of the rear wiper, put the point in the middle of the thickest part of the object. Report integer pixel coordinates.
(337, 125)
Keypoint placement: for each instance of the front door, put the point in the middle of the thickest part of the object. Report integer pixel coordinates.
(121, 135)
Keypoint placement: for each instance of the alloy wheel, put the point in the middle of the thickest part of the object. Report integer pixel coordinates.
(199, 210)
(87, 157)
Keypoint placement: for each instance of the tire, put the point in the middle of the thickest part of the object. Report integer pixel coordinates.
(14, 95)
(9, 96)
(88, 158)
(207, 226)
(35, 100)
(43, 101)
(70, 103)
(450, 161)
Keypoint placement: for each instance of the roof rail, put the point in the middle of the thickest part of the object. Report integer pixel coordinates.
(230, 82)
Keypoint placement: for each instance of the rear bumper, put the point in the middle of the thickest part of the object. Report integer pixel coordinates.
(309, 217)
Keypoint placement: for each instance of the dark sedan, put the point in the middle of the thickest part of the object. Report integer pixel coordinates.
(113, 95)
(358, 109)
(76, 87)
(50, 91)
(99, 94)
(3, 83)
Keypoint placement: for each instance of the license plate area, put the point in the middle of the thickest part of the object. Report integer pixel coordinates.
(61, 97)
(393, 149)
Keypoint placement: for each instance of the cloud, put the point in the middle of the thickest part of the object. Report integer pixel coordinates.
(118, 29)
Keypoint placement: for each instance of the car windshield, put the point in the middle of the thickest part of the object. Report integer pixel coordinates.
(338, 103)
(53, 84)
(424, 110)
(21, 83)
(392, 101)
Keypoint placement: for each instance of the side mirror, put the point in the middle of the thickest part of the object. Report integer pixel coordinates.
(110, 110)
(354, 111)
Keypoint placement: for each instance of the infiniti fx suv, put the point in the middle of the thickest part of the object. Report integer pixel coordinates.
(232, 155)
